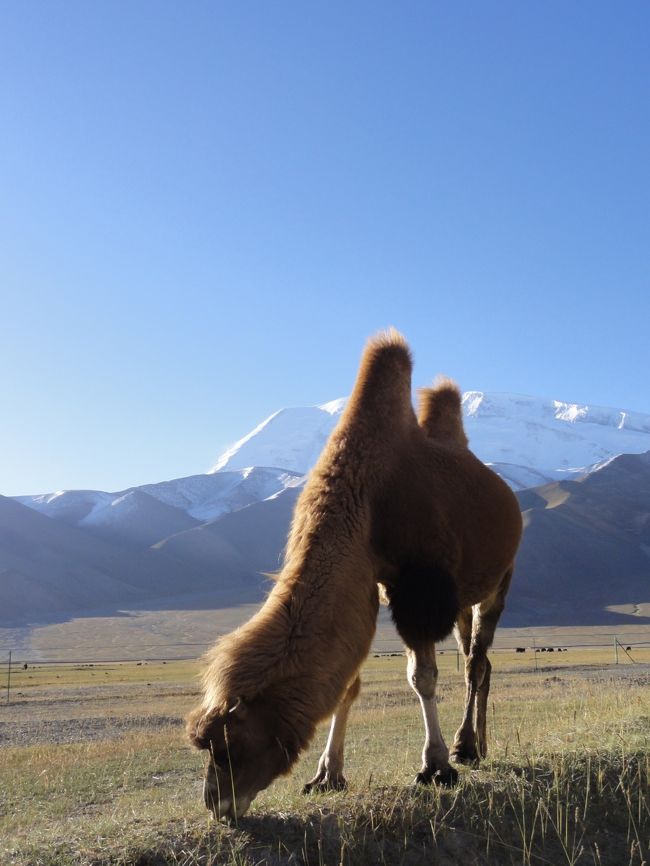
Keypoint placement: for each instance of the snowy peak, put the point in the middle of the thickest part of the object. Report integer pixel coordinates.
(290, 439)
(334, 407)
(70, 506)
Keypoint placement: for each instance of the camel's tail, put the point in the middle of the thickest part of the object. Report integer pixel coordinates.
(383, 385)
(440, 412)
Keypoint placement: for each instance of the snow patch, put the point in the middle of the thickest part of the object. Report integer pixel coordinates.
(334, 407)
(570, 412)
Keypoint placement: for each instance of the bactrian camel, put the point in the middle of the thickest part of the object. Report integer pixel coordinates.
(398, 502)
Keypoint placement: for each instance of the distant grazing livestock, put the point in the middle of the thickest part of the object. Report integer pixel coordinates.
(395, 501)
(521, 649)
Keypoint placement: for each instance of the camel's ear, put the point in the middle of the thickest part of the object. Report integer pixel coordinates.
(199, 726)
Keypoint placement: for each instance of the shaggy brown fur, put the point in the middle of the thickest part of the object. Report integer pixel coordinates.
(390, 501)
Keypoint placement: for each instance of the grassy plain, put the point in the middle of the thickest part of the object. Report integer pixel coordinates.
(94, 770)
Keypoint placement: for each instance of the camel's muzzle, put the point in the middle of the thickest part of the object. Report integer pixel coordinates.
(226, 807)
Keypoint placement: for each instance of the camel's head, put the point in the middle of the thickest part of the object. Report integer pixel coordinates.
(246, 754)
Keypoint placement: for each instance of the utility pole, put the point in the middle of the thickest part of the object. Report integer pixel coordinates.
(9, 677)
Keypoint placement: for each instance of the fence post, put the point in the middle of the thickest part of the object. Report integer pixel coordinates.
(9, 677)
(535, 651)
(457, 659)
(615, 650)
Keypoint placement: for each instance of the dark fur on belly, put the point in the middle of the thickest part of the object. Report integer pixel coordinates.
(423, 603)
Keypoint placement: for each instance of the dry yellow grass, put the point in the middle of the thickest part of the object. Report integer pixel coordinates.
(567, 780)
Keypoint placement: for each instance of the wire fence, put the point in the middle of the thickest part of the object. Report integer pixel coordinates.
(631, 648)
(620, 646)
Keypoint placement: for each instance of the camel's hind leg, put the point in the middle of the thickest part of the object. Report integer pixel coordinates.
(475, 629)
(422, 672)
(329, 776)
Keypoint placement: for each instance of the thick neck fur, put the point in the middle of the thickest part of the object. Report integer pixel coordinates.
(296, 656)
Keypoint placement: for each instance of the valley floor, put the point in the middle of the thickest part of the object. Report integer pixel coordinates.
(185, 634)
(94, 770)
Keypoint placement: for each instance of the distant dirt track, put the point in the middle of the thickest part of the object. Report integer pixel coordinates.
(60, 731)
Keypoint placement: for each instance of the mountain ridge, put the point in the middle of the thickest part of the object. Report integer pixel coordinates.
(584, 559)
(213, 535)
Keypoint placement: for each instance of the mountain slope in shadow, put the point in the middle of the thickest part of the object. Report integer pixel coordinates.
(586, 548)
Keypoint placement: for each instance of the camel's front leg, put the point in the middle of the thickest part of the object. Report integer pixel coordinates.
(422, 673)
(329, 776)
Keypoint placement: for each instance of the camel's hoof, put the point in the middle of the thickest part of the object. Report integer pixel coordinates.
(446, 778)
(468, 759)
(423, 779)
(334, 783)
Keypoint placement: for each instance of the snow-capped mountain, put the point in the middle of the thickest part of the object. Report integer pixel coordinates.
(147, 514)
(528, 440)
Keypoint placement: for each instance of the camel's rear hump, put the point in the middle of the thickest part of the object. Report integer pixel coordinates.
(440, 412)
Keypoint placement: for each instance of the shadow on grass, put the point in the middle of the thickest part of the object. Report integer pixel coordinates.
(587, 810)
(576, 810)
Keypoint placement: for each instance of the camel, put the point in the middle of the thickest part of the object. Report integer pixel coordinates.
(397, 503)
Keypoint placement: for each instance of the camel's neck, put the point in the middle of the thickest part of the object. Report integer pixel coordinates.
(329, 625)
(304, 647)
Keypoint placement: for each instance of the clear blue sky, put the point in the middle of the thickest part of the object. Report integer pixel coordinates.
(207, 207)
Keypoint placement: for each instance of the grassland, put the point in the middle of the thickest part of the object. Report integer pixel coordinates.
(94, 770)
